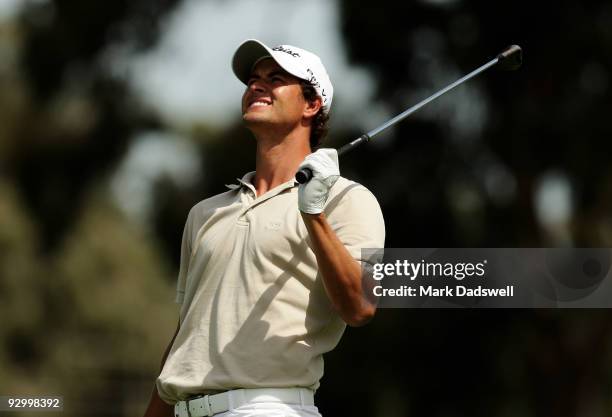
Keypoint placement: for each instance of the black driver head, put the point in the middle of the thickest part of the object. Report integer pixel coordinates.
(511, 58)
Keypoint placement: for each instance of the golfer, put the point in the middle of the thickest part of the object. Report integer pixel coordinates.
(270, 270)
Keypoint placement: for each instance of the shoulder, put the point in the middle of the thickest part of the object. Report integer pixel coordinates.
(352, 196)
(210, 204)
(347, 189)
(355, 215)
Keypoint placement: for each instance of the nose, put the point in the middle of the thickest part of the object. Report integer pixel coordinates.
(257, 85)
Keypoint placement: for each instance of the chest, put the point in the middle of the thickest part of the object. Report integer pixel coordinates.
(261, 229)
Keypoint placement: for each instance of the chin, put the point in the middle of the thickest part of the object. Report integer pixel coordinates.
(253, 117)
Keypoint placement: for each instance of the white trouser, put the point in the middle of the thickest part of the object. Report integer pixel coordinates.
(276, 402)
(272, 410)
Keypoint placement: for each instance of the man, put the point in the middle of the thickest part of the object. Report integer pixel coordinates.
(270, 272)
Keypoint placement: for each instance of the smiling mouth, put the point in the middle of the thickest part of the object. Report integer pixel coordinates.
(260, 103)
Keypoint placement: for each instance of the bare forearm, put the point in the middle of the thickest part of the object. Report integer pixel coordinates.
(157, 407)
(341, 273)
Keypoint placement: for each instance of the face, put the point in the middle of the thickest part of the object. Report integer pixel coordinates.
(273, 97)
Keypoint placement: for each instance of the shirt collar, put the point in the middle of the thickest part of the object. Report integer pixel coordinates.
(246, 181)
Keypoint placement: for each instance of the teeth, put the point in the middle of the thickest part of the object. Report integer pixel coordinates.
(260, 103)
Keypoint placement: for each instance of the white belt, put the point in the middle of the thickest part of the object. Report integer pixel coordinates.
(209, 405)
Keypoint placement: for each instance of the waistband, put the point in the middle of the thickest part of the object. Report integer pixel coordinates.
(209, 405)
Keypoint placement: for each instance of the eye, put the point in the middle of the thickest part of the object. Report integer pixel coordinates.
(277, 79)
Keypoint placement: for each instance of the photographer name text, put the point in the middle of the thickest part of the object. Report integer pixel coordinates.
(435, 271)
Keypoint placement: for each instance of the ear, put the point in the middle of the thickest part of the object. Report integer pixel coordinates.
(312, 108)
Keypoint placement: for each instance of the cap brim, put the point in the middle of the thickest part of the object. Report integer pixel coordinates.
(246, 56)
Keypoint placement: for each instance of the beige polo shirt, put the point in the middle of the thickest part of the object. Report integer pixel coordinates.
(254, 312)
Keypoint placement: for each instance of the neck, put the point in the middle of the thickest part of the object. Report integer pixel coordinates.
(278, 159)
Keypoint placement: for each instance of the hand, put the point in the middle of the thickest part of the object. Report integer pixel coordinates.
(325, 171)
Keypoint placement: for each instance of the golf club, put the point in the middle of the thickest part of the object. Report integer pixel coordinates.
(508, 60)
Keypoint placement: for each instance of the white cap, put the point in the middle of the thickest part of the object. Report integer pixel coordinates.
(296, 61)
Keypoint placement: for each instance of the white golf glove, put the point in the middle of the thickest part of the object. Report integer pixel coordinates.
(325, 171)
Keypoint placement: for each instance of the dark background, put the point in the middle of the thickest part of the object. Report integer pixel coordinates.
(80, 283)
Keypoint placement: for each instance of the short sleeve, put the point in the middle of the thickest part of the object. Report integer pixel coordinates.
(186, 247)
(355, 216)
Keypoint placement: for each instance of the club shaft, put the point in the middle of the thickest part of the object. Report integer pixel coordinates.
(414, 108)
(511, 57)
(417, 106)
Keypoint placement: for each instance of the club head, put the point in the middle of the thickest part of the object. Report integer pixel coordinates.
(511, 58)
